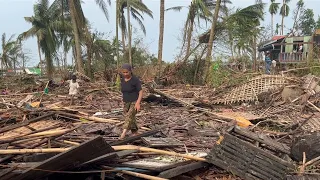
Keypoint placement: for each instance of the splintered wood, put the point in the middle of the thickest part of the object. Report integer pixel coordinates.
(250, 90)
(25, 130)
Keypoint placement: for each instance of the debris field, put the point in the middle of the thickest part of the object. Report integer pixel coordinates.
(265, 128)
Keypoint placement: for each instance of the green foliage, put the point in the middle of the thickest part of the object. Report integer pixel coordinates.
(308, 23)
(138, 8)
(218, 75)
(274, 7)
(46, 23)
(285, 9)
(11, 50)
(118, 83)
(318, 23)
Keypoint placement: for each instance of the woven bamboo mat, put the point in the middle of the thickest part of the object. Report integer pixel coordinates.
(250, 90)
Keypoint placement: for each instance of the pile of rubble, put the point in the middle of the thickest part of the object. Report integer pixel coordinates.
(266, 128)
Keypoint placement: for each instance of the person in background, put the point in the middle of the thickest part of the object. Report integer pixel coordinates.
(131, 95)
(268, 62)
(73, 88)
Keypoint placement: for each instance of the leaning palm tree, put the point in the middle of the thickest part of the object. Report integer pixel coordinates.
(46, 22)
(137, 9)
(284, 12)
(198, 10)
(273, 9)
(212, 32)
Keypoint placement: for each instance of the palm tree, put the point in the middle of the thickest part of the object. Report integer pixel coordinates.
(75, 25)
(197, 9)
(10, 51)
(79, 25)
(137, 9)
(45, 23)
(273, 9)
(212, 32)
(161, 31)
(284, 12)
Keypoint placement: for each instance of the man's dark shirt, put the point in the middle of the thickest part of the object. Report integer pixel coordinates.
(130, 89)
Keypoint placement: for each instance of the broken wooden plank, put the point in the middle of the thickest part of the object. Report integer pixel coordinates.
(134, 138)
(263, 139)
(26, 99)
(182, 169)
(69, 159)
(38, 157)
(161, 142)
(8, 128)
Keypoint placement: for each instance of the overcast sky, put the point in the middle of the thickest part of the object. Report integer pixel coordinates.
(13, 11)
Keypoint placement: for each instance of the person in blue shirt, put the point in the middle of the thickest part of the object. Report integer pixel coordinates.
(268, 62)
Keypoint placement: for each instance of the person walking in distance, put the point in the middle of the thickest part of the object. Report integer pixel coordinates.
(131, 96)
(268, 62)
(73, 88)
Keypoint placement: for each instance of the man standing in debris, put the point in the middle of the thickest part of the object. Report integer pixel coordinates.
(131, 96)
(268, 62)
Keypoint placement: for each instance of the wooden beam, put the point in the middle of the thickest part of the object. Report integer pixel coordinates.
(69, 159)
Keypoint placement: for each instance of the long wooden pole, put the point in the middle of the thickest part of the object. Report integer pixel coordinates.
(117, 148)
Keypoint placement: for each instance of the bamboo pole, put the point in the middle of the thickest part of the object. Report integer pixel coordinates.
(117, 148)
(91, 118)
(50, 133)
(27, 151)
(146, 149)
(72, 143)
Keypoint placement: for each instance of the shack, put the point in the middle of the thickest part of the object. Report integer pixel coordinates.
(292, 49)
